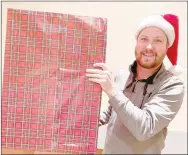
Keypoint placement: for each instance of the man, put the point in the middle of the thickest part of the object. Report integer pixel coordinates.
(142, 106)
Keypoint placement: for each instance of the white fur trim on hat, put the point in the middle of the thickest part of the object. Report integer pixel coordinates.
(176, 70)
(160, 22)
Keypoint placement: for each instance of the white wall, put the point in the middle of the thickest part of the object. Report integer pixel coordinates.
(123, 17)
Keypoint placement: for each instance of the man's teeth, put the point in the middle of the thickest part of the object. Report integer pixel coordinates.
(148, 54)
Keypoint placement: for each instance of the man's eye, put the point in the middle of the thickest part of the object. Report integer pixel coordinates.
(143, 39)
(158, 40)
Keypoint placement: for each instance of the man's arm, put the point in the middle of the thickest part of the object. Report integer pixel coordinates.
(154, 115)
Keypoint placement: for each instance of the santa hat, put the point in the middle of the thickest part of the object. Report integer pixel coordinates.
(169, 23)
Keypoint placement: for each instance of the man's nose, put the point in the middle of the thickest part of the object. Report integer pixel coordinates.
(149, 46)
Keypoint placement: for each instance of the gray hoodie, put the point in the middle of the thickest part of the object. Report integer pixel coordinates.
(141, 110)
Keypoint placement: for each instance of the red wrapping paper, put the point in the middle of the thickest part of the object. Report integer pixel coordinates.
(48, 105)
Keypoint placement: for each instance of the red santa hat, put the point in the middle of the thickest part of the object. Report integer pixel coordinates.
(169, 23)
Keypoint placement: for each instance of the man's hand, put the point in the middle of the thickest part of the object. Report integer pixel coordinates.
(103, 77)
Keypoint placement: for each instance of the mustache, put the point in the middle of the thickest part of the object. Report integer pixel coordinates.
(148, 52)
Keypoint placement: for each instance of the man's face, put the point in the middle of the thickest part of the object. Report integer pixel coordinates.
(151, 47)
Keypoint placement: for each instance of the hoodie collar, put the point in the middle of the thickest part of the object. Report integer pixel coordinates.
(149, 80)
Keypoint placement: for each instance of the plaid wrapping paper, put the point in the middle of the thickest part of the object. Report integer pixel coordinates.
(47, 103)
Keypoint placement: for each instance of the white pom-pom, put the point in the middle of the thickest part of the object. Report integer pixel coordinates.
(176, 70)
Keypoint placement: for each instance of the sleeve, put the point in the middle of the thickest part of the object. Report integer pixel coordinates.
(120, 80)
(154, 115)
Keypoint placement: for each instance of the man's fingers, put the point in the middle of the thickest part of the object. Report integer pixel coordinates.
(99, 76)
(100, 72)
(102, 65)
(95, 71)
(99, 81)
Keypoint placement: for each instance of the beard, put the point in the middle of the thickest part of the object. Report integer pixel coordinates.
(150, 61)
